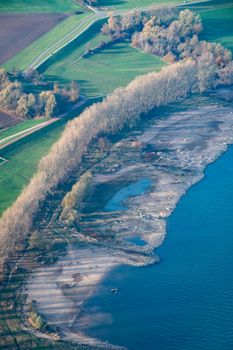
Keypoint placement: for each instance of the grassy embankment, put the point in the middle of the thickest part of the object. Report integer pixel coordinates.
(40, 6)
(217, 18)
(26, 57)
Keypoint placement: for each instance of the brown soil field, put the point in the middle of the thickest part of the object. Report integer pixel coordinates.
(19, 30)
(7, 120)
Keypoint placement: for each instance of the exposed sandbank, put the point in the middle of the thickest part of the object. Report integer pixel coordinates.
(172, 152)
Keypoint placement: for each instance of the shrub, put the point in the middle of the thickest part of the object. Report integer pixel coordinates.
(73, 200)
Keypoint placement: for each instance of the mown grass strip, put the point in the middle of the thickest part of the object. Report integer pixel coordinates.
(136, 4)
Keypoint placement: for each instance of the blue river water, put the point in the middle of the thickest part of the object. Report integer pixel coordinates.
(186, 302)
(136, 188)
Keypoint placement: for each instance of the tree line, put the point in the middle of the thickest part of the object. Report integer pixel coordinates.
(15, 98)
(73, 200)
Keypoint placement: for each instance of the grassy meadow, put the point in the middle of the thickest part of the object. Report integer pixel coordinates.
(217, 18)
(113, 66)
(39, 6)
(97, 75)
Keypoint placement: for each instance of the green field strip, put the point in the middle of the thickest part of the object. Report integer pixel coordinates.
(39, 6)
(111, 67)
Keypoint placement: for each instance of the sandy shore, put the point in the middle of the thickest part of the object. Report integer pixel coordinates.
(60, 290)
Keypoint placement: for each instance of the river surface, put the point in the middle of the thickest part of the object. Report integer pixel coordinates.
(186, 302)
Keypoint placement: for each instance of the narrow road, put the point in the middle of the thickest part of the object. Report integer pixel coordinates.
(25, 131)
(19, 135)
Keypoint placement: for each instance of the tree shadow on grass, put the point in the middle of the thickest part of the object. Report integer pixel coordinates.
(112, 3)
(215, 28)
(86, 88)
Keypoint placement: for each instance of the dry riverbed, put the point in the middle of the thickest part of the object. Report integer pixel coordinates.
(135, 189)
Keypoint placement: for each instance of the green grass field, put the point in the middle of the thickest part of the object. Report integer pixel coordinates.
(39, 6)
(23, 59)
(132, 4)
(114, 66)
(217, 18)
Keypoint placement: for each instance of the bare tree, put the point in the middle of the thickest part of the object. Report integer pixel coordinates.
(26, 105)
(74, 91)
